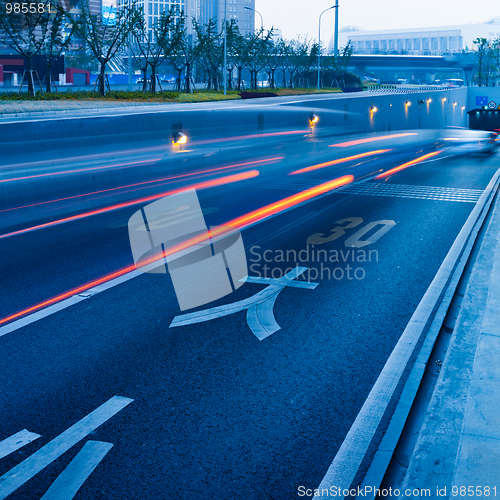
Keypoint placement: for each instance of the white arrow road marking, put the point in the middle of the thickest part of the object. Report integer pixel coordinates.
(16, 441)
(79, 469)
(260, 315)
(23, 472)
(261, 318)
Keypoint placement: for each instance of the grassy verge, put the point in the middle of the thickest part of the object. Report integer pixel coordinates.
(139, 96)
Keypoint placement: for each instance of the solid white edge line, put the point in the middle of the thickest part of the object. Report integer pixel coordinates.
(16, 441)
(345, 465)
(59, 306)
(78, 470)
(23, 472)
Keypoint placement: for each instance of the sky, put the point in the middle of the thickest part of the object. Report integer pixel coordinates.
(300, 17)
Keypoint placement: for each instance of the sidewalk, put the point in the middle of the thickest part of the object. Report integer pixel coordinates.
(457, 452)
(16, 107)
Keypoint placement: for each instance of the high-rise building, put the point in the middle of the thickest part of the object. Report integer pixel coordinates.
(202, 10)
(69, 5)
(154, 8)
(240, 10)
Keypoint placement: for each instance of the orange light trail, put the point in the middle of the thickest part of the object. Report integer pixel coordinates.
(251, 136)
(340, 160)
(238, 223)
(257, 215)
(289, 202)
(199, 173)
(406, 165)
(90, 169)
(67, 295)
(201, 185)
(371, 139)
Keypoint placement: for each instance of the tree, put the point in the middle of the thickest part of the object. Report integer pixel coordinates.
(81, 58)
(105, 38)
(301, 54)
(239, 56)
(152, 46)
(183, 53)
(212, 51)
(495, 59)
(24, 28)
(275, 60)
(338, 65)
(233, 41)
(482, 62)
(258, 53)
(55, 42)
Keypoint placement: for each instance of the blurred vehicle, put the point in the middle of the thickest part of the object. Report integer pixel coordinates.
(141, 80)
(401, 81)
(370, 79)
(453, 82)
(471, 141)
(168, 80)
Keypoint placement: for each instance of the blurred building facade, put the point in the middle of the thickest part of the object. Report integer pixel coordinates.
(432, 41)
(236, 9)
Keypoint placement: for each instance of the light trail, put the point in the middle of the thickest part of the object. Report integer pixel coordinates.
(340, 160)
(371, 139)
(89, 169)
(201, 185)
(251, 136)
(199, 173)
(237, 223)
(407, 164)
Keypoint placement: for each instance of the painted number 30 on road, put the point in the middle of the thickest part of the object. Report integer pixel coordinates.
(354, 241)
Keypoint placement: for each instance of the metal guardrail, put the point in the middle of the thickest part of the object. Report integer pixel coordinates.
(404, 89)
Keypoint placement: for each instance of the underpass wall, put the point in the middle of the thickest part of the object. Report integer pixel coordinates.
(380, 112)
(205, 128)
(64, 136)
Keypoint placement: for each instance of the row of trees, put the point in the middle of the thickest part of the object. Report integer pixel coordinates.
(51, 31)
(487, 62)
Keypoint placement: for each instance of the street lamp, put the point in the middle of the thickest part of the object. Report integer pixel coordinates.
(261, 19)
(224, 71)
(319, 40)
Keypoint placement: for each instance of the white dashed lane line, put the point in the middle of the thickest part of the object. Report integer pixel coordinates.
(79, 469)
(27, 469)
(16, 441)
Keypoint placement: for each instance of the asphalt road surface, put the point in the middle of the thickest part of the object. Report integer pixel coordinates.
(209, 410)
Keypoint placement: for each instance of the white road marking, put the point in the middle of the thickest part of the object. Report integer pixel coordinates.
(23, 472)
(79, 469)
(261, 318)
(272, 281)
(346, 463)
(59, 306)
(16, 441)
(260, 315)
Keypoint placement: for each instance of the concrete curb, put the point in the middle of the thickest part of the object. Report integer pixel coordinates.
(462, 249)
